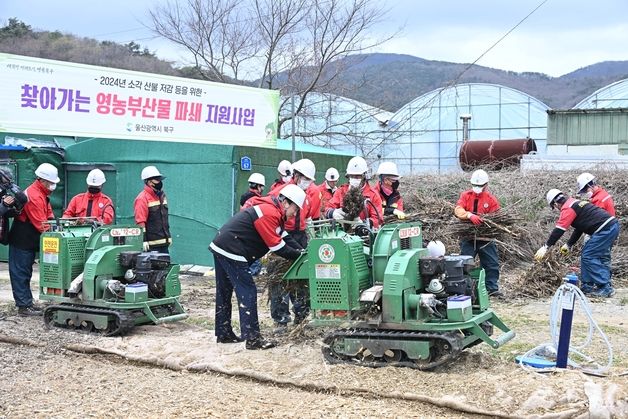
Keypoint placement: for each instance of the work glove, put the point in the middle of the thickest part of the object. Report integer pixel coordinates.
(146, 246)
(338, 214)
(476, 219)
(564, 249)
(400, 214)
(540, 254)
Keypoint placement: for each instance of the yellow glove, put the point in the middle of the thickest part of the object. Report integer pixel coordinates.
(145, 246)
(400, 214)
(540, 254)
(564, 249)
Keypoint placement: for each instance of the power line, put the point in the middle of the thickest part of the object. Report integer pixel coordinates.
(500, 39)
(457, 79)
(117, 32)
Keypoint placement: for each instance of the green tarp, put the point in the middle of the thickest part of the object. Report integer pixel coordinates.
(203, 182)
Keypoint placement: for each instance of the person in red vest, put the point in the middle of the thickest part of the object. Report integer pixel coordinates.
(357, 173)
(257, 183)
(591, 191)
(92, 203)
(328, 187)
(245, 238)
(303, 176)
(387, 186)
(474, 203)
(151, 211)
(603, 229)
(598, 196)
(285, 175)
(24, 236)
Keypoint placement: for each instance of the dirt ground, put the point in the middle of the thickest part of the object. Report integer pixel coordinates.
(177, 370)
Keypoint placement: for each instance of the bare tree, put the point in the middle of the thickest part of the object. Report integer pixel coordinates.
(296, 46)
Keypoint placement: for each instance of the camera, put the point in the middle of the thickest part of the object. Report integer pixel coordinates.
(8, 188)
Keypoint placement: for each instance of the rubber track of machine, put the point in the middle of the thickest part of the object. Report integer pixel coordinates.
(453, 339)
(123, 323)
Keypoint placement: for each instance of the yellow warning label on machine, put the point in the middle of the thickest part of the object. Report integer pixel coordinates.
(50, 245)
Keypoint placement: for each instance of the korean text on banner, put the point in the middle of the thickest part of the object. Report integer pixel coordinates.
(39, 96)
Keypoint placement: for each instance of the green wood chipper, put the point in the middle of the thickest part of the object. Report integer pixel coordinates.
(389, 302)
(99, 280)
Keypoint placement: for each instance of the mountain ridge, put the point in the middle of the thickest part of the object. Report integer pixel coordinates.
(396, 79)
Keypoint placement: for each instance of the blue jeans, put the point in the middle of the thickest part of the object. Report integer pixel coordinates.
(280, 298)
(280, 303)
(256, 267)
(595, 258)
(232, 276)
(489, 260)
(21, 271)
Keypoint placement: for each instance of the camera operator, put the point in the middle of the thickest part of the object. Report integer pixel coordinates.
(12, 200)
(24, 237)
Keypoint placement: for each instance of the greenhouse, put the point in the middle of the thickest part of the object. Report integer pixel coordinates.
(337, 123)
(614, 95)
(426, 134)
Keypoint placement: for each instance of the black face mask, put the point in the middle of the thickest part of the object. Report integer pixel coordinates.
(395, 185)
(158, 185)
(93, 189)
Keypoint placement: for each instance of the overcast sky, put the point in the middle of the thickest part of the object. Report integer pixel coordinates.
(560, 37)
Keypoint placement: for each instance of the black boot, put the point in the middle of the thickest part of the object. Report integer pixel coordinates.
(260, 343)
(232, 338)
(29, 311)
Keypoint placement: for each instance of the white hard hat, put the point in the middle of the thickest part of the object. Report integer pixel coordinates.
(479, 178)
(332, 174)
(95, 177)
(257, 178)
(305, 167)
(583, 180)
(551, 196)
(294, 194)
(387, 168)
(284, 168)
(149, 172)
(436, 248)
(357, 166)
(48, 172)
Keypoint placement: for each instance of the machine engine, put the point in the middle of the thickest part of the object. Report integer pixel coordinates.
(150, 268)
(448, 276)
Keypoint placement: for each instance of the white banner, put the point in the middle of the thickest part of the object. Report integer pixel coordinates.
(39, 96)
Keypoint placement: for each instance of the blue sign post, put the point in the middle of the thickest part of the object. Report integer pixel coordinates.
(245, 163)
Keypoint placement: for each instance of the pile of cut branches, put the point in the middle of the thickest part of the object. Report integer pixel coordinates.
(431, 199)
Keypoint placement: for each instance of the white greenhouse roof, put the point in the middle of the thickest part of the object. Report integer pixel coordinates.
(615, 95)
